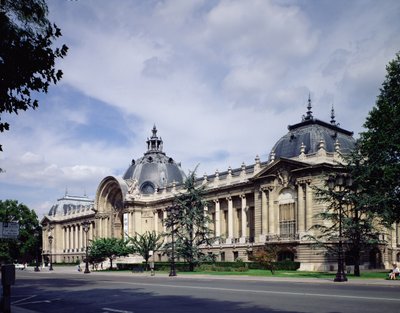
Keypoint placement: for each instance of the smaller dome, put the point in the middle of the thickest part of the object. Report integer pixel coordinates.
(154, 170)
(309, 134)
(70, 205)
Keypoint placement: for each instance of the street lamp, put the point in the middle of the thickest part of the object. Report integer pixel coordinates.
(51, 259)
(36, 234)
(86, 226)
(341, 181)
(171, 212)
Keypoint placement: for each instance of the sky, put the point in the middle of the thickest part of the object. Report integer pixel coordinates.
(221, 80)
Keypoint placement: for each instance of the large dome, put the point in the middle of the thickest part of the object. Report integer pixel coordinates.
(309, 134)
(154, 170)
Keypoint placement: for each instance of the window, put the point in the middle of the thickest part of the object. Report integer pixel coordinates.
(287, 214)
(235, 255)
(287, 221)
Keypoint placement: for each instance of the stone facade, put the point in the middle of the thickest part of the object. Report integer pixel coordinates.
(269, 202)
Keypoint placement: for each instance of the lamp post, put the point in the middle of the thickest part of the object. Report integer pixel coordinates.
(86, 226)
(36, 234)
(341, 181)
(172, 211)
(51, 259)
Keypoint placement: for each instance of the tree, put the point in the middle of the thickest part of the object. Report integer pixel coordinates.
(190, 223)
(23, 248)
(145, 244)
(346, 205)
(110, 248)
(27, 56)
(266, 256)
(379, 147)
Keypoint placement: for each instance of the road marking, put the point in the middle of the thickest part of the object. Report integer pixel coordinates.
(24, 299)
(264, 291)
(115, 310)
(35, 302)
(21, 302)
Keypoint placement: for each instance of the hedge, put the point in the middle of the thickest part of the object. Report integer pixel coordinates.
(210, 266)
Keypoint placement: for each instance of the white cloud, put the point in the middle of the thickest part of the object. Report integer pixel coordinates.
(220, 79)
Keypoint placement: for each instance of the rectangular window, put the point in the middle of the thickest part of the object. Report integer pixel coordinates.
(287, 220)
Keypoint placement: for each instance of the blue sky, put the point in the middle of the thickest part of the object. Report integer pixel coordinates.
(221, 80)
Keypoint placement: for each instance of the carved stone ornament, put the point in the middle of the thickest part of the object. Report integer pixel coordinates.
(283, 177)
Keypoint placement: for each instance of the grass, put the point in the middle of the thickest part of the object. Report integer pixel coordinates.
(295, 274)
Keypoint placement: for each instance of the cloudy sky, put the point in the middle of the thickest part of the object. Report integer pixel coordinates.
(221, 80)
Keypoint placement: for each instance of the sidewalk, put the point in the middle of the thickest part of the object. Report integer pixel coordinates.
(352, 281)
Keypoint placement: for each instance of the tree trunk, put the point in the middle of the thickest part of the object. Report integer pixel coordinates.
(357, 263)
(111, 264)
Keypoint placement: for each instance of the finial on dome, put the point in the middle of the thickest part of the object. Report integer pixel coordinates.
(154, 131)
(333, 121)
(309, 107)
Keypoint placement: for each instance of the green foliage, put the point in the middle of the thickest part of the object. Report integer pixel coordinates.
(111, 248)
(189, 223)
(143, 244)
(27, 56)
(23, 248)
(379, 147)
(346, 204)
(266, 256)
(277, 266)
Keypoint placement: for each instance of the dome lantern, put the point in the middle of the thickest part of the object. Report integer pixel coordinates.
(154, 170)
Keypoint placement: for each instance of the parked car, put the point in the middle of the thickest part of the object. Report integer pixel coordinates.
(19, 266)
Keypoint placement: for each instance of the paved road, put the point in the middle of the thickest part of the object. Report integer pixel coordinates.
(69, 291)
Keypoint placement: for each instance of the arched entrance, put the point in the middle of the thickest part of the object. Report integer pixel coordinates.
(109, 206)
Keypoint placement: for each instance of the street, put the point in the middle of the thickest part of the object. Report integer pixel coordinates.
(69, 291)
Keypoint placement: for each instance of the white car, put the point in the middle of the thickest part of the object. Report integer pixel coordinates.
(19, 266)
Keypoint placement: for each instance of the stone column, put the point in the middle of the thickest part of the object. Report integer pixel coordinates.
(205, 215)
(64, 239)
(138, 221)
(230, 220)
(300, 209)
(164, 218)
(79, 234)
(76, 238)
(271, 213)
(243, 220)
(308, 206)
(264, 212)
(69, 238)
(217, 219)
(155, 221)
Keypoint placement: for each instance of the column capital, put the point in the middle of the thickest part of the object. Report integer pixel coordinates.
(216, 200)
(229, 198)
(242, 196)
(266, 188)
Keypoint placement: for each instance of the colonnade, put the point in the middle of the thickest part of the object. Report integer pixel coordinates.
(230, 222)
(74, 237)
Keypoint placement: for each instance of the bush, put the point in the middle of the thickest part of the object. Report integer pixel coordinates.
(237, 266)
(278, 266)
(217, 268)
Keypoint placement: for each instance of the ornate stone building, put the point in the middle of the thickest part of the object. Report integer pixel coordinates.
(268, 202)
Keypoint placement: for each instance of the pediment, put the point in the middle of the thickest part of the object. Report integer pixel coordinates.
(279, 168)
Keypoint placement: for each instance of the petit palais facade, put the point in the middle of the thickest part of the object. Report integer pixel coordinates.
(268, 202)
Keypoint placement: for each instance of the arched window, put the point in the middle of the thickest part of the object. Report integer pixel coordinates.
(287, 214)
